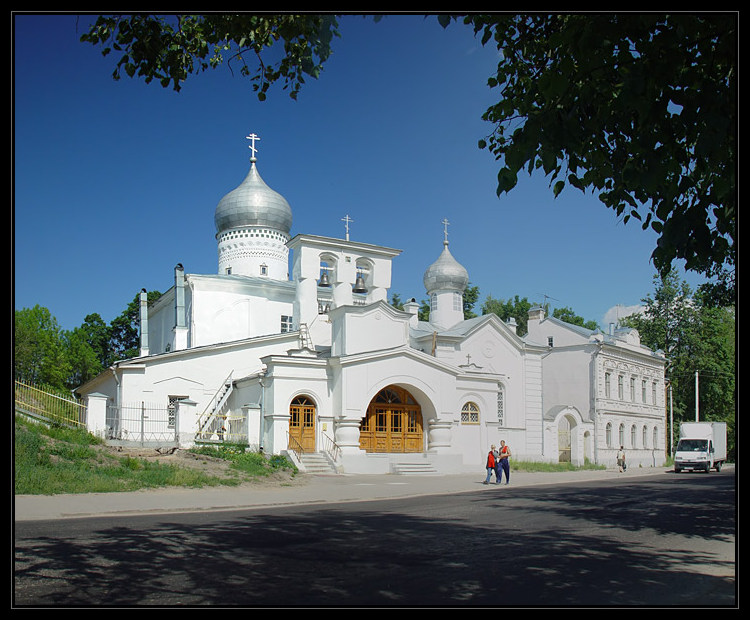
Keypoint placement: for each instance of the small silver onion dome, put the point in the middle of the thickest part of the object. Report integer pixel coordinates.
(446, 273)
(253, 203)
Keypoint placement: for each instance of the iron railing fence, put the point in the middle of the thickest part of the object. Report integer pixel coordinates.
(141, 423)
(43, 403)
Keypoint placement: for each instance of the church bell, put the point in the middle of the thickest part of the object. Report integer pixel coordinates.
(359, 284)
(324, 279)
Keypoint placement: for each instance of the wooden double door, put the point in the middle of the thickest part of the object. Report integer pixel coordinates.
(393, 423)
(302, 415)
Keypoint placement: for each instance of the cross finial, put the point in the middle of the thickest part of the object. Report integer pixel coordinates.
(347, 220)
(445, 231)
(253, 138)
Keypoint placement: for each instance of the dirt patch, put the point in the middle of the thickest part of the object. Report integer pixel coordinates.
(209, 465)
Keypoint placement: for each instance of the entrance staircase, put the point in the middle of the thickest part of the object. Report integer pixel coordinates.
(316, 463)
(413, 466)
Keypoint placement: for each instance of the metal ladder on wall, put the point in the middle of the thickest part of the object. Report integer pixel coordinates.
(211, 421)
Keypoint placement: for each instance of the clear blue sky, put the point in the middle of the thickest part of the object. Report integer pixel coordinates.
(116, 182)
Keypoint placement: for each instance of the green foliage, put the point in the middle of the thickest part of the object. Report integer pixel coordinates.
(124, 330)
(569, 316)
(250, 463)
(695, 337)
(51, 460)
(39, 348)
(516, 308)
(168, 49)
(62, 360)
(640, 108)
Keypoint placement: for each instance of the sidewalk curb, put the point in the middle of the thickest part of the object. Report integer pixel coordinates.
(313, 490)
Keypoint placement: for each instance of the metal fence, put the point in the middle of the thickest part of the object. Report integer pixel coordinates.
(141, 423)
(44, 404)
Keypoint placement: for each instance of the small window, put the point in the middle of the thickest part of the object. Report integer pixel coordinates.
(286, 324)
(550, 341)
(172, 409)
(470, 413)
(264, 270)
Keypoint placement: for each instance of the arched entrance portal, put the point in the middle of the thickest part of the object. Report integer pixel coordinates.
(302, 424)
(393, 423)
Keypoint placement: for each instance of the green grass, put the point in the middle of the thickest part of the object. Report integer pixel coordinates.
(534, 467)
(51, 460)
(249, 463)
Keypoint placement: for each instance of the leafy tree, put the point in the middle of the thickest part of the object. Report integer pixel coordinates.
(96, 333)
(516, 308)
(83, 362)
(38, 348)
(638, 108)
(696, 337)
(471, 296)
(124, 330)
(396, 301)
(567, 315)
(169, 48)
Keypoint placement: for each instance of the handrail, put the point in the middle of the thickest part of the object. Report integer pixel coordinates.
(294, 445)
(331, 447)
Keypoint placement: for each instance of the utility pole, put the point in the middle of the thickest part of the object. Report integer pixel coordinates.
(696, 396)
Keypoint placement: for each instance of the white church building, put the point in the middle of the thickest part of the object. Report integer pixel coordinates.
(292, 348)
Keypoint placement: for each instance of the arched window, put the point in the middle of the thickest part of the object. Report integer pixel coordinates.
(470, 413)
(632, 436)
(609, 434)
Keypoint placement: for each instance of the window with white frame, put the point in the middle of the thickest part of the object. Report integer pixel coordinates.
(286, 324)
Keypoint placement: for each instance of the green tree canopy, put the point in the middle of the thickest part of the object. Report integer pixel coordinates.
(639, 108)
(39, 348)
(170, 48)
(696, 338)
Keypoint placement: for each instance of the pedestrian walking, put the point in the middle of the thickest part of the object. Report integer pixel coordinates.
(621, 460)
(503, 463)
(492, 456)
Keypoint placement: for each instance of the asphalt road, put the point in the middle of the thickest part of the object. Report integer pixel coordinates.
(653, 541)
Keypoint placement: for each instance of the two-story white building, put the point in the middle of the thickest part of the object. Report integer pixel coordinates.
(313, 360)
(601, 391)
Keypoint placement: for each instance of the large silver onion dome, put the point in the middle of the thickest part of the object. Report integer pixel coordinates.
(446, 273)
(253, 203)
